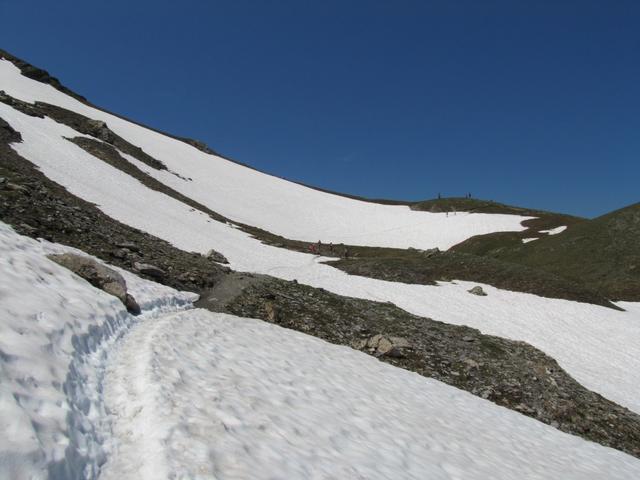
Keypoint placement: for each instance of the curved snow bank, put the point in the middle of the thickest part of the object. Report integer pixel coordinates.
(203, 395)
(555, 231)
(55, 332)
(281, 207)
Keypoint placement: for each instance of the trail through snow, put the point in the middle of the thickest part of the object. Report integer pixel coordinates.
(56, 331)
(204, 395)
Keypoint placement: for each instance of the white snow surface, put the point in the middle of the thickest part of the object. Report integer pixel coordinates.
(203, 395)
(55, 334)
(527, 240)
(555, 231)
(599, 347)
(281, 207)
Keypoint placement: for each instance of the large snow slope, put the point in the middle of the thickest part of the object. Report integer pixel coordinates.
(247, 196)
(55, 334)
(598, 346)
(193, 394)
(205, 395)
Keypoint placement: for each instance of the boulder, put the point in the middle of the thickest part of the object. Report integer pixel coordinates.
(129, 246)
(431, 252)
(380, 345)
(148, 269)
(98, 275)
(477, 290)
(132, 305)
(216, 257)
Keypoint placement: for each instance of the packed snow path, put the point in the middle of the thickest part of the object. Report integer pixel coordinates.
(56, 331)
(204, 395)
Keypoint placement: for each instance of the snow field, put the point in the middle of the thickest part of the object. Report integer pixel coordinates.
(281, 207)
(217, 396)
(598, 346)
(55, 334)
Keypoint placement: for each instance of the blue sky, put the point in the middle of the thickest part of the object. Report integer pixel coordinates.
(534, 103)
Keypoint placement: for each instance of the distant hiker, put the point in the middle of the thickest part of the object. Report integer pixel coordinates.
(331, 247)
(319, 246)
(346, 252)
(313, 248)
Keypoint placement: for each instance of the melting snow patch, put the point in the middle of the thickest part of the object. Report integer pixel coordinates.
(527, 240)
(555, 231)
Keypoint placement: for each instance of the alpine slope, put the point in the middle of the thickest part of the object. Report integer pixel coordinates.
(89, 391)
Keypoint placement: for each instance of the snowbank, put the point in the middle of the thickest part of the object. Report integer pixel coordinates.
(55, 334)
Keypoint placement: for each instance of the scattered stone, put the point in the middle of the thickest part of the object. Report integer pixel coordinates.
(467, 338)
(477, 290)
(129, 246)
(216, 257)
(148, 269)
(270, 311)
(379, 345)
(131, 304)
(16, 188)
(471, 364)
(431, 252)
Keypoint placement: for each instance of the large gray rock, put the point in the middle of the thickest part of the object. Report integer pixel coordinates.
(379, 345)
(104, 278)
(477, 290)
(216, 257)
(148, 269)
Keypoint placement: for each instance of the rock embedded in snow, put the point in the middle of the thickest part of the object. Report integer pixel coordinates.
(477, 290)
(216, 257)
(104, 278)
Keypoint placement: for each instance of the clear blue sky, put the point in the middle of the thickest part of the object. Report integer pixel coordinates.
(535, 103)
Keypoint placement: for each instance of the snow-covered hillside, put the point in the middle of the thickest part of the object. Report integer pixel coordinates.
(247, 196)
(585, 339)
(200, 395)
(188, 393)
